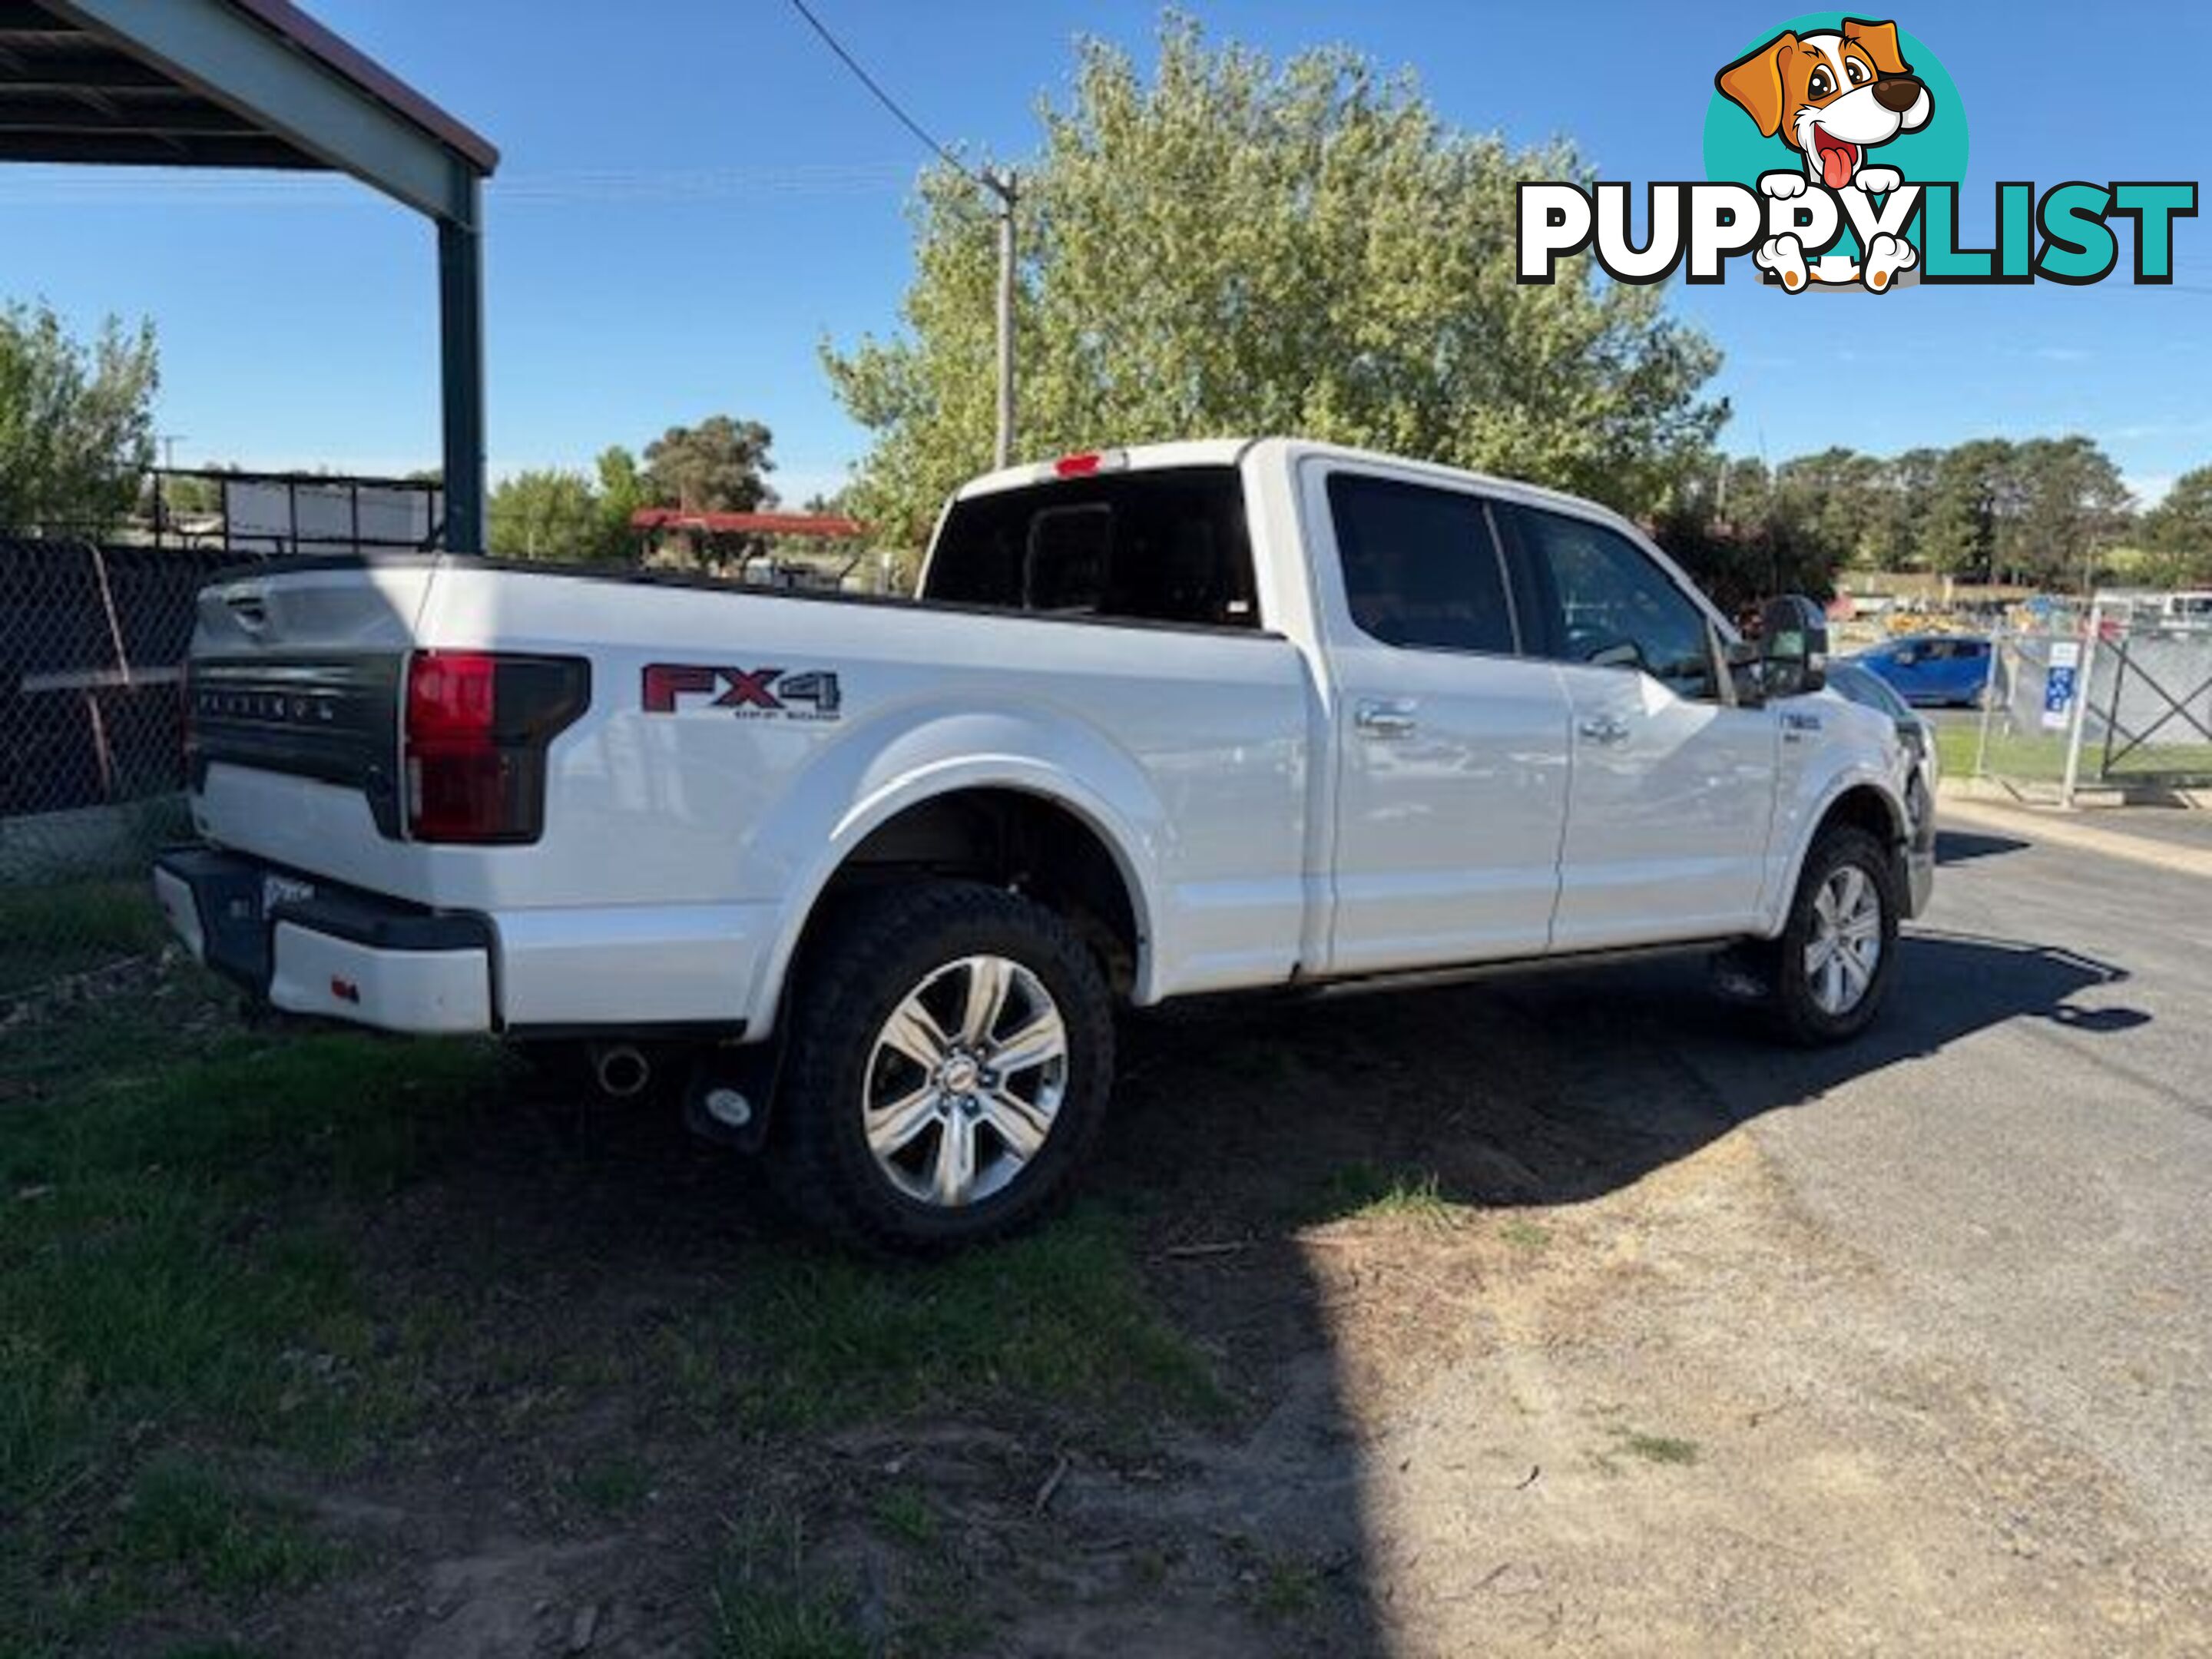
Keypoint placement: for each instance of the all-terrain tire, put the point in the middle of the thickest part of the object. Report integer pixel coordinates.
(1793, 1003)
(874, 953)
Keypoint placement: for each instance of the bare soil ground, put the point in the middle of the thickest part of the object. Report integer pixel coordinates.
(1468, 1321)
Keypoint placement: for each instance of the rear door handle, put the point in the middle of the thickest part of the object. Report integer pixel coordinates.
(1393, 719)
(1604, 728)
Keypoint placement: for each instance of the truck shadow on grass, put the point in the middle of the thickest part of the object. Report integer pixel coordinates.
(319, 1342)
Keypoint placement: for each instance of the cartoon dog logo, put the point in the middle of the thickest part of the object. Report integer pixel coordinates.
(1832, 95)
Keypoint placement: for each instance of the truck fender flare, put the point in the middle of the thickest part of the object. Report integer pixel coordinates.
(1853, 778)
(952, 776)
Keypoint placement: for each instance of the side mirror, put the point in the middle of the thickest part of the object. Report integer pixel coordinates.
(1793, 633)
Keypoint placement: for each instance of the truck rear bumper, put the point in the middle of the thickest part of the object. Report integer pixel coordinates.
(311, 949)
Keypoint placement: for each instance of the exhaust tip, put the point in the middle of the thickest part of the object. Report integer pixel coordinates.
(621, 1070)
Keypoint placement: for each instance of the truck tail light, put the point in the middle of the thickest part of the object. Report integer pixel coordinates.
(477, 726)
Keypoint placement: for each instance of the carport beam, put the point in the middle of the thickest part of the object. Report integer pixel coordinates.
(316, 102)
(460, 350)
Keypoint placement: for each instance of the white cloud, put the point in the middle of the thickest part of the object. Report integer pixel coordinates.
(2148, 488)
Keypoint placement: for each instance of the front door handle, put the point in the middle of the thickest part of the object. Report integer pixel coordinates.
(1604, 728)
(1386, 720)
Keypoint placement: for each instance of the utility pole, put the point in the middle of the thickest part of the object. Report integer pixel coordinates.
(1002, 183)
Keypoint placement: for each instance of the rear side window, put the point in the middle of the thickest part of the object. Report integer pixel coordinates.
(1164, 546)
(1608, 604)
(1420, 565)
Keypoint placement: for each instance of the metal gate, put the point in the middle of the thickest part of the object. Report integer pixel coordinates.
(2119, 698)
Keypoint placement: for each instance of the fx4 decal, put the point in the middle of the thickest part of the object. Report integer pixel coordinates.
(747, 693)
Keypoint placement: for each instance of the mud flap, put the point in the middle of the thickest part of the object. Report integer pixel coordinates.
(722, 1077)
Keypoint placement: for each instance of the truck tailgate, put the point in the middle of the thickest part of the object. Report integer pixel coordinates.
(293, 705)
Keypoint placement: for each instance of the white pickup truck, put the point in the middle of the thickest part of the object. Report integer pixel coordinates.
(872, 876)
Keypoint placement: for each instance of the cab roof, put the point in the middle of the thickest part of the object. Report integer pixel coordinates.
(1231, 452)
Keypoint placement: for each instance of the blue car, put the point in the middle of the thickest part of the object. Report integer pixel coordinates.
(1949, 670)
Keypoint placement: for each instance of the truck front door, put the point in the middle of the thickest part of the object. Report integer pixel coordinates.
(1673, 784)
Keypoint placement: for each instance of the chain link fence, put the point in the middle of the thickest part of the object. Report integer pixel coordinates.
(93, 638)
(2119, 697)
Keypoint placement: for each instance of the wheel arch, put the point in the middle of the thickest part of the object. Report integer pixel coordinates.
(1863, 801)
(1863, 805)
(1023, 825)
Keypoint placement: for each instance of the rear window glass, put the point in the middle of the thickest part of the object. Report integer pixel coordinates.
(1166, 546)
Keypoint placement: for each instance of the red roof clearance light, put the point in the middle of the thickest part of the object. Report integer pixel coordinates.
(1083, 464)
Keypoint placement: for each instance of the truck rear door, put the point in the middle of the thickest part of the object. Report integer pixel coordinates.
(1452, 748)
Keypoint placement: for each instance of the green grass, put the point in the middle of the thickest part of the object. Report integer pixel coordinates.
(905, 1513)
(812, 1338)
(769, 1603)
(1523, 1234)
(1660, 1449)
(1287, 1590)
(168, 1274)
(1364, 1190)
(613, 1486)
(182, 1518)
(49, 932)
(2040, 756)
(2170, 763)
(2029, 756)
(180, 1206)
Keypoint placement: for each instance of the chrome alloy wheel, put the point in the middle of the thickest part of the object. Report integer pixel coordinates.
(965, 1080)
(1846, 945)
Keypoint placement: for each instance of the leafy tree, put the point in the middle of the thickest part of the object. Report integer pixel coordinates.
(192, 493)
(2072, 505)
(1830, 500)
(623, 488)
(716, 466)
(2178, 532)
(546, 515)
(76, 420)
(1973, 487)
(1238, 246)
(560, 514)
(1751, 534)
(1900, 508)
(2041, 511)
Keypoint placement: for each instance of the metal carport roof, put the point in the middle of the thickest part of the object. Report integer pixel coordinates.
(258, 83)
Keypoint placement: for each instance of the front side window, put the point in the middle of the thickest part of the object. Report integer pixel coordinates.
(1606, 603)
(1420, 565)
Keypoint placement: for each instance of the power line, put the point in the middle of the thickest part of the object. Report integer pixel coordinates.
(989, 181)
(999, 181)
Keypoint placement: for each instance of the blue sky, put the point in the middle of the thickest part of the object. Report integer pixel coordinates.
(694, 194)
